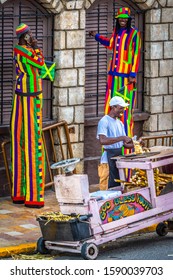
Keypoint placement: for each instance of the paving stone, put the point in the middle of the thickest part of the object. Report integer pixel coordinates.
(18, 223)
(14, 233)
(29, 226)
(5, 211)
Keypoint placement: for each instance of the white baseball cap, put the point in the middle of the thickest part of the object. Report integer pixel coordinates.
(117, 100)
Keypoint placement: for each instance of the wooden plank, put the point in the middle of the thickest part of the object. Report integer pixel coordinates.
(164, 199)
(162, 162)
(132, 164)
(131, 228)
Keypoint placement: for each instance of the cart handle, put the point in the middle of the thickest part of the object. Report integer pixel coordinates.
(85, 217)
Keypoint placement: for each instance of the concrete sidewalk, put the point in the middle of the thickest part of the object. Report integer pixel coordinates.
(19, 230)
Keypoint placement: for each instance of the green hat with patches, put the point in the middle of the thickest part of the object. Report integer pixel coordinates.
(123, 13)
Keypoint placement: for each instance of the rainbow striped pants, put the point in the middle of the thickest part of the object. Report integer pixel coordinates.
(27, 151)
(115, 83)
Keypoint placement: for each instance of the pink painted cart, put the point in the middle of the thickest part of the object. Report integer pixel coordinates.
(160, 210)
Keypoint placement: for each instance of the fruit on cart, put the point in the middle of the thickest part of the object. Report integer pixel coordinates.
(139, 179)
(58, 216)
(139, 149)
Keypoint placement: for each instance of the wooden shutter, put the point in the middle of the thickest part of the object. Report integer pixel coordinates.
(11, 14)
(101, 18)
(6, 63)
(96, 61)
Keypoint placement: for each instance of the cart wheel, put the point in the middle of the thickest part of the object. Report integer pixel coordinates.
(41, 246)
(162, 229)
(89, 251)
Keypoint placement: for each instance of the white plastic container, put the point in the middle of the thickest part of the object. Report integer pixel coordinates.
(105, 194)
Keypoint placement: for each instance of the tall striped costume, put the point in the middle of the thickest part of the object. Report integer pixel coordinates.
(123, 64)
(27, 151)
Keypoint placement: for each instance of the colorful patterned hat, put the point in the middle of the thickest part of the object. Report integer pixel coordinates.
(21, 29)
(123, 13)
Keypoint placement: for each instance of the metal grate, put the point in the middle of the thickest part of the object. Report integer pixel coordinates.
(101, 18)
(41, 23)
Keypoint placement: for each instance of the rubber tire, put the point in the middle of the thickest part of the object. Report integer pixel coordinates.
(161, 229)
(89, 251)
(41, 246)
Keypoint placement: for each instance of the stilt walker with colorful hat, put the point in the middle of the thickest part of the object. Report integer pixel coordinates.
(125, 42)
(27, 151)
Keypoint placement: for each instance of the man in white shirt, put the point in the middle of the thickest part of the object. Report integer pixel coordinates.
(112, 137)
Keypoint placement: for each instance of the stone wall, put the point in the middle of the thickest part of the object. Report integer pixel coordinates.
(158, 98)
(69, 85)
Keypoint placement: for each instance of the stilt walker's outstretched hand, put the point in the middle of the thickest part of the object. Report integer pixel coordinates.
(92, 33)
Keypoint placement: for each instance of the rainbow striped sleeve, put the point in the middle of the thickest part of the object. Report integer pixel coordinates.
(37, 59)
(107, 42)
(34, 57)
(136, 54)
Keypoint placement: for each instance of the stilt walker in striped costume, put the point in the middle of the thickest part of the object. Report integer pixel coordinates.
(123, 66)
(27, 151)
